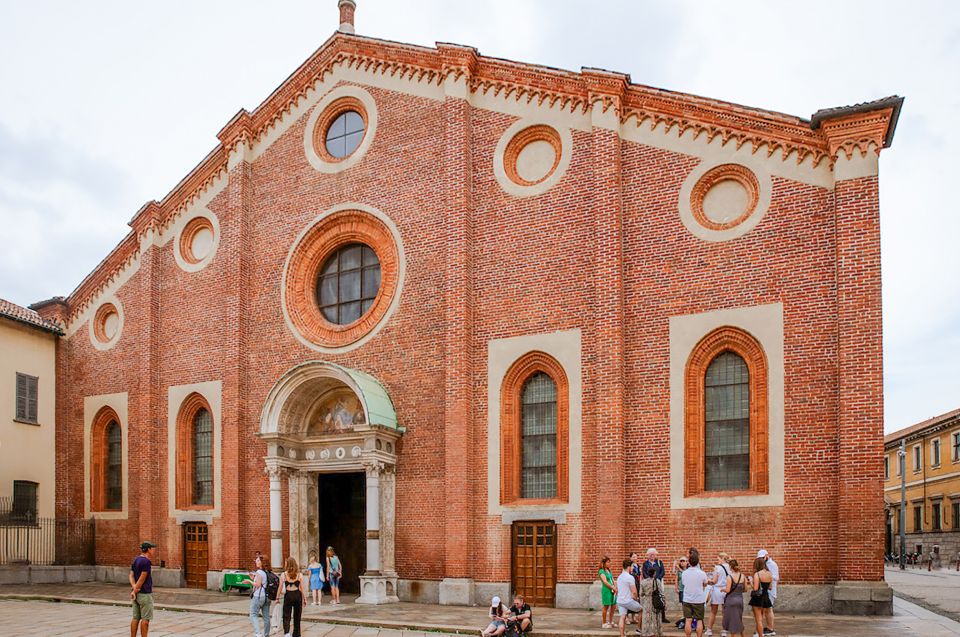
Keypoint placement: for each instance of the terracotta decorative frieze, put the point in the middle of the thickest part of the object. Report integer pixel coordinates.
(858, 132)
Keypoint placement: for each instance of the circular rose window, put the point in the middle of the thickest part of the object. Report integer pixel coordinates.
(532, 155)
(340, 129)
(196, 240)
(341, 278)
(106, 325)
(724, 197)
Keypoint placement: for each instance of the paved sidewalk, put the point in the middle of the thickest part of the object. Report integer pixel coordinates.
(937, 590)
(212, 614)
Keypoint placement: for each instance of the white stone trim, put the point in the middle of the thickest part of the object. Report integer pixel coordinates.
(763, 204)
(764, 323)
(857, 165)
(401, 275)
(565, 347)
(212, 392)
(370, 129)
(177, 229)
(91, 406)
(566, 150)
(96, 342)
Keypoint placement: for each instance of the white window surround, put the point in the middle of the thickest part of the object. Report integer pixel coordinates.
(917, 458)
(91, 406)
(212, 392)
(935, 452)
(886, 467)
(502, 353)
(764, 323)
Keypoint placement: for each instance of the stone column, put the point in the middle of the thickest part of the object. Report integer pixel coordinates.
(276, 519)
(296, 518)
(375, 587)
(388, 515)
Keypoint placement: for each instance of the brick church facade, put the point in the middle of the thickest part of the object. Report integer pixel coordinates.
(477, 323)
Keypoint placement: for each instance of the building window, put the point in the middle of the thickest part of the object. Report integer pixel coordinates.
(917, 458)
(917, 518)
(24, 501)
(935, 516)
(725, 428)
(900, 463)
(344, 134)
(956, 516)
(935, 452)
(203, 458)
(886, 467)
(195, 451)
(956, 446)
(106, 462)
(26, 398)
(348, 283)
(534, 431)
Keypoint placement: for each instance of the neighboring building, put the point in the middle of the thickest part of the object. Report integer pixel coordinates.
(933, 487)
(28, 345)
(476, 323)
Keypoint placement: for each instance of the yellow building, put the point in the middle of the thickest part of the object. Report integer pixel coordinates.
(27, 433)
(933, 487)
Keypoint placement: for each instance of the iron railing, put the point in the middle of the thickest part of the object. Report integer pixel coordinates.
(26, 538)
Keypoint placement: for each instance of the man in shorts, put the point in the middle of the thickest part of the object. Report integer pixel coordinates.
(695, 583)
(628, 600)
(141, 590)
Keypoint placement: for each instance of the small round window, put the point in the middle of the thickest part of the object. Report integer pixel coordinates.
(344, 134)
(348, 283)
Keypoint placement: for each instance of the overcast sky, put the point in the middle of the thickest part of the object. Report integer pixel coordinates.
(106, 105)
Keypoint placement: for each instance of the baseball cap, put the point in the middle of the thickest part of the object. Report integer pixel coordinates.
(762, 553)
(147, 545)
(495, 601)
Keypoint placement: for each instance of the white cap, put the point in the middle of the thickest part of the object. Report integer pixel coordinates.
(762, 553)
(495, 601)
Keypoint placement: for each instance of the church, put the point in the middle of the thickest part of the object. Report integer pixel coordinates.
(477, 323)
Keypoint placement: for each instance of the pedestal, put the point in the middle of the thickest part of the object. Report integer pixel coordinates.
(862, 598)
(378, 589)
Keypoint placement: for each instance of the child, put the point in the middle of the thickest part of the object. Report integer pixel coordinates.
(316, 579)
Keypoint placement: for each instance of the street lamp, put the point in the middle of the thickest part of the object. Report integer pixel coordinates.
(902, 454)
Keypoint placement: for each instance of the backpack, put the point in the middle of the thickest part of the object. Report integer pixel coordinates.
(659, 603)
(273, 585)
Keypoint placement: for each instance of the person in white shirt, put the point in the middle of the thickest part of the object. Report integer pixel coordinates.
(719, 581)
(628, 600)
(695, 583)
(769, 630)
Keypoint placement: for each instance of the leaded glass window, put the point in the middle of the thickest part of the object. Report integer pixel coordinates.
(348, 283)
(344, 134)
(114, 483)
(727, 424)
(538, 430)
(203, 458)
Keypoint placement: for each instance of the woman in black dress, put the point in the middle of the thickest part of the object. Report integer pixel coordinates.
(760, 591)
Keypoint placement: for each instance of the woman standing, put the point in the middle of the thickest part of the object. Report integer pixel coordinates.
(291, 592)
(650, 618)
(608, 593)
(334, 573)
(259, 602)
(679, 567)
(733, 601)
(760, 591)
(720, 573)
(316, 579)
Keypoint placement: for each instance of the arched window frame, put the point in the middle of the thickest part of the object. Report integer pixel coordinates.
(99, 449)
(511, 431)
(185, 474)
(725, 339)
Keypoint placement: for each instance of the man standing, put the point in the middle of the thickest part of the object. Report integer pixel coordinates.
(637, 576)
(769, 629)
(141, 593)
(653, 568)
(628, 599)
(694, 594)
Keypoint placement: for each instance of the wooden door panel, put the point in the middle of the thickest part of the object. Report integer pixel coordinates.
(534, 559)
(196, 551)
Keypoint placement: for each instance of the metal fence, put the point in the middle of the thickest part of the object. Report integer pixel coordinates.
(28, 539)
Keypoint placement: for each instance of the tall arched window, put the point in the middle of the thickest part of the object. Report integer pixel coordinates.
(114, 500)
(203, 458)
(534, 431)
(725, 429)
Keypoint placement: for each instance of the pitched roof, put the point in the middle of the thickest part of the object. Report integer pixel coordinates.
(27, 316)
(929, 423)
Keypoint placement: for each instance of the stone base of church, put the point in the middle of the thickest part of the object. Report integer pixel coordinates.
(862, 598)
(457, 591)
(378, 589)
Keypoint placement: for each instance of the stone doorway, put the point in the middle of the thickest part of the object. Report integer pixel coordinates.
(342, 523)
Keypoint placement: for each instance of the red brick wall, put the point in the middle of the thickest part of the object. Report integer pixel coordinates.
(484, 265)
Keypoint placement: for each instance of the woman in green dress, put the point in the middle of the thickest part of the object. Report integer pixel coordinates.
(608, 594)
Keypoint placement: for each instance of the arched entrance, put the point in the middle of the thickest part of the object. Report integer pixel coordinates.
(333, 433)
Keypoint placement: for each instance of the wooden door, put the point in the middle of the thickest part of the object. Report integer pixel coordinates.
(535, 562)
(195, 549)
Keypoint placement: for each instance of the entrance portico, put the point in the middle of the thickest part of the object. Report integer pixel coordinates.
(323, 418)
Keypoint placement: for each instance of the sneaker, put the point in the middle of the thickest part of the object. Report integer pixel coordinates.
(708, 632)
(724, 633)
(769, 632)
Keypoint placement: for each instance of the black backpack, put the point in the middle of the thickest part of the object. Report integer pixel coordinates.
(273, 585)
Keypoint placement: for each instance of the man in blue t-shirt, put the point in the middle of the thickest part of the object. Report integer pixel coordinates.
(141, 590)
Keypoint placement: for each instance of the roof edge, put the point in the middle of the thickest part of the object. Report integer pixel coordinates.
(920, 427)
(894, 102)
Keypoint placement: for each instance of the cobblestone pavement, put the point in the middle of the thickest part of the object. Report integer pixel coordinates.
(226, 615)
(937, 590)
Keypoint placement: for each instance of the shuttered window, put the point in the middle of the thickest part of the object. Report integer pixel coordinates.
(538, 477)
(203, 458)
(727, 424)
(26, 398)
(24, 500)
(114, 476)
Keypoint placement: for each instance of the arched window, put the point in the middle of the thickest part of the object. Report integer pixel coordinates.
(725, 429)
(534, 431)
(203, 458)
(114, 467)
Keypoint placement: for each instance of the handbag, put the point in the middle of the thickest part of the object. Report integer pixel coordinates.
(659, 602)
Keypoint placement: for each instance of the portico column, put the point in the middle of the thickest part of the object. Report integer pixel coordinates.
(276, 521)
(373, 517)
